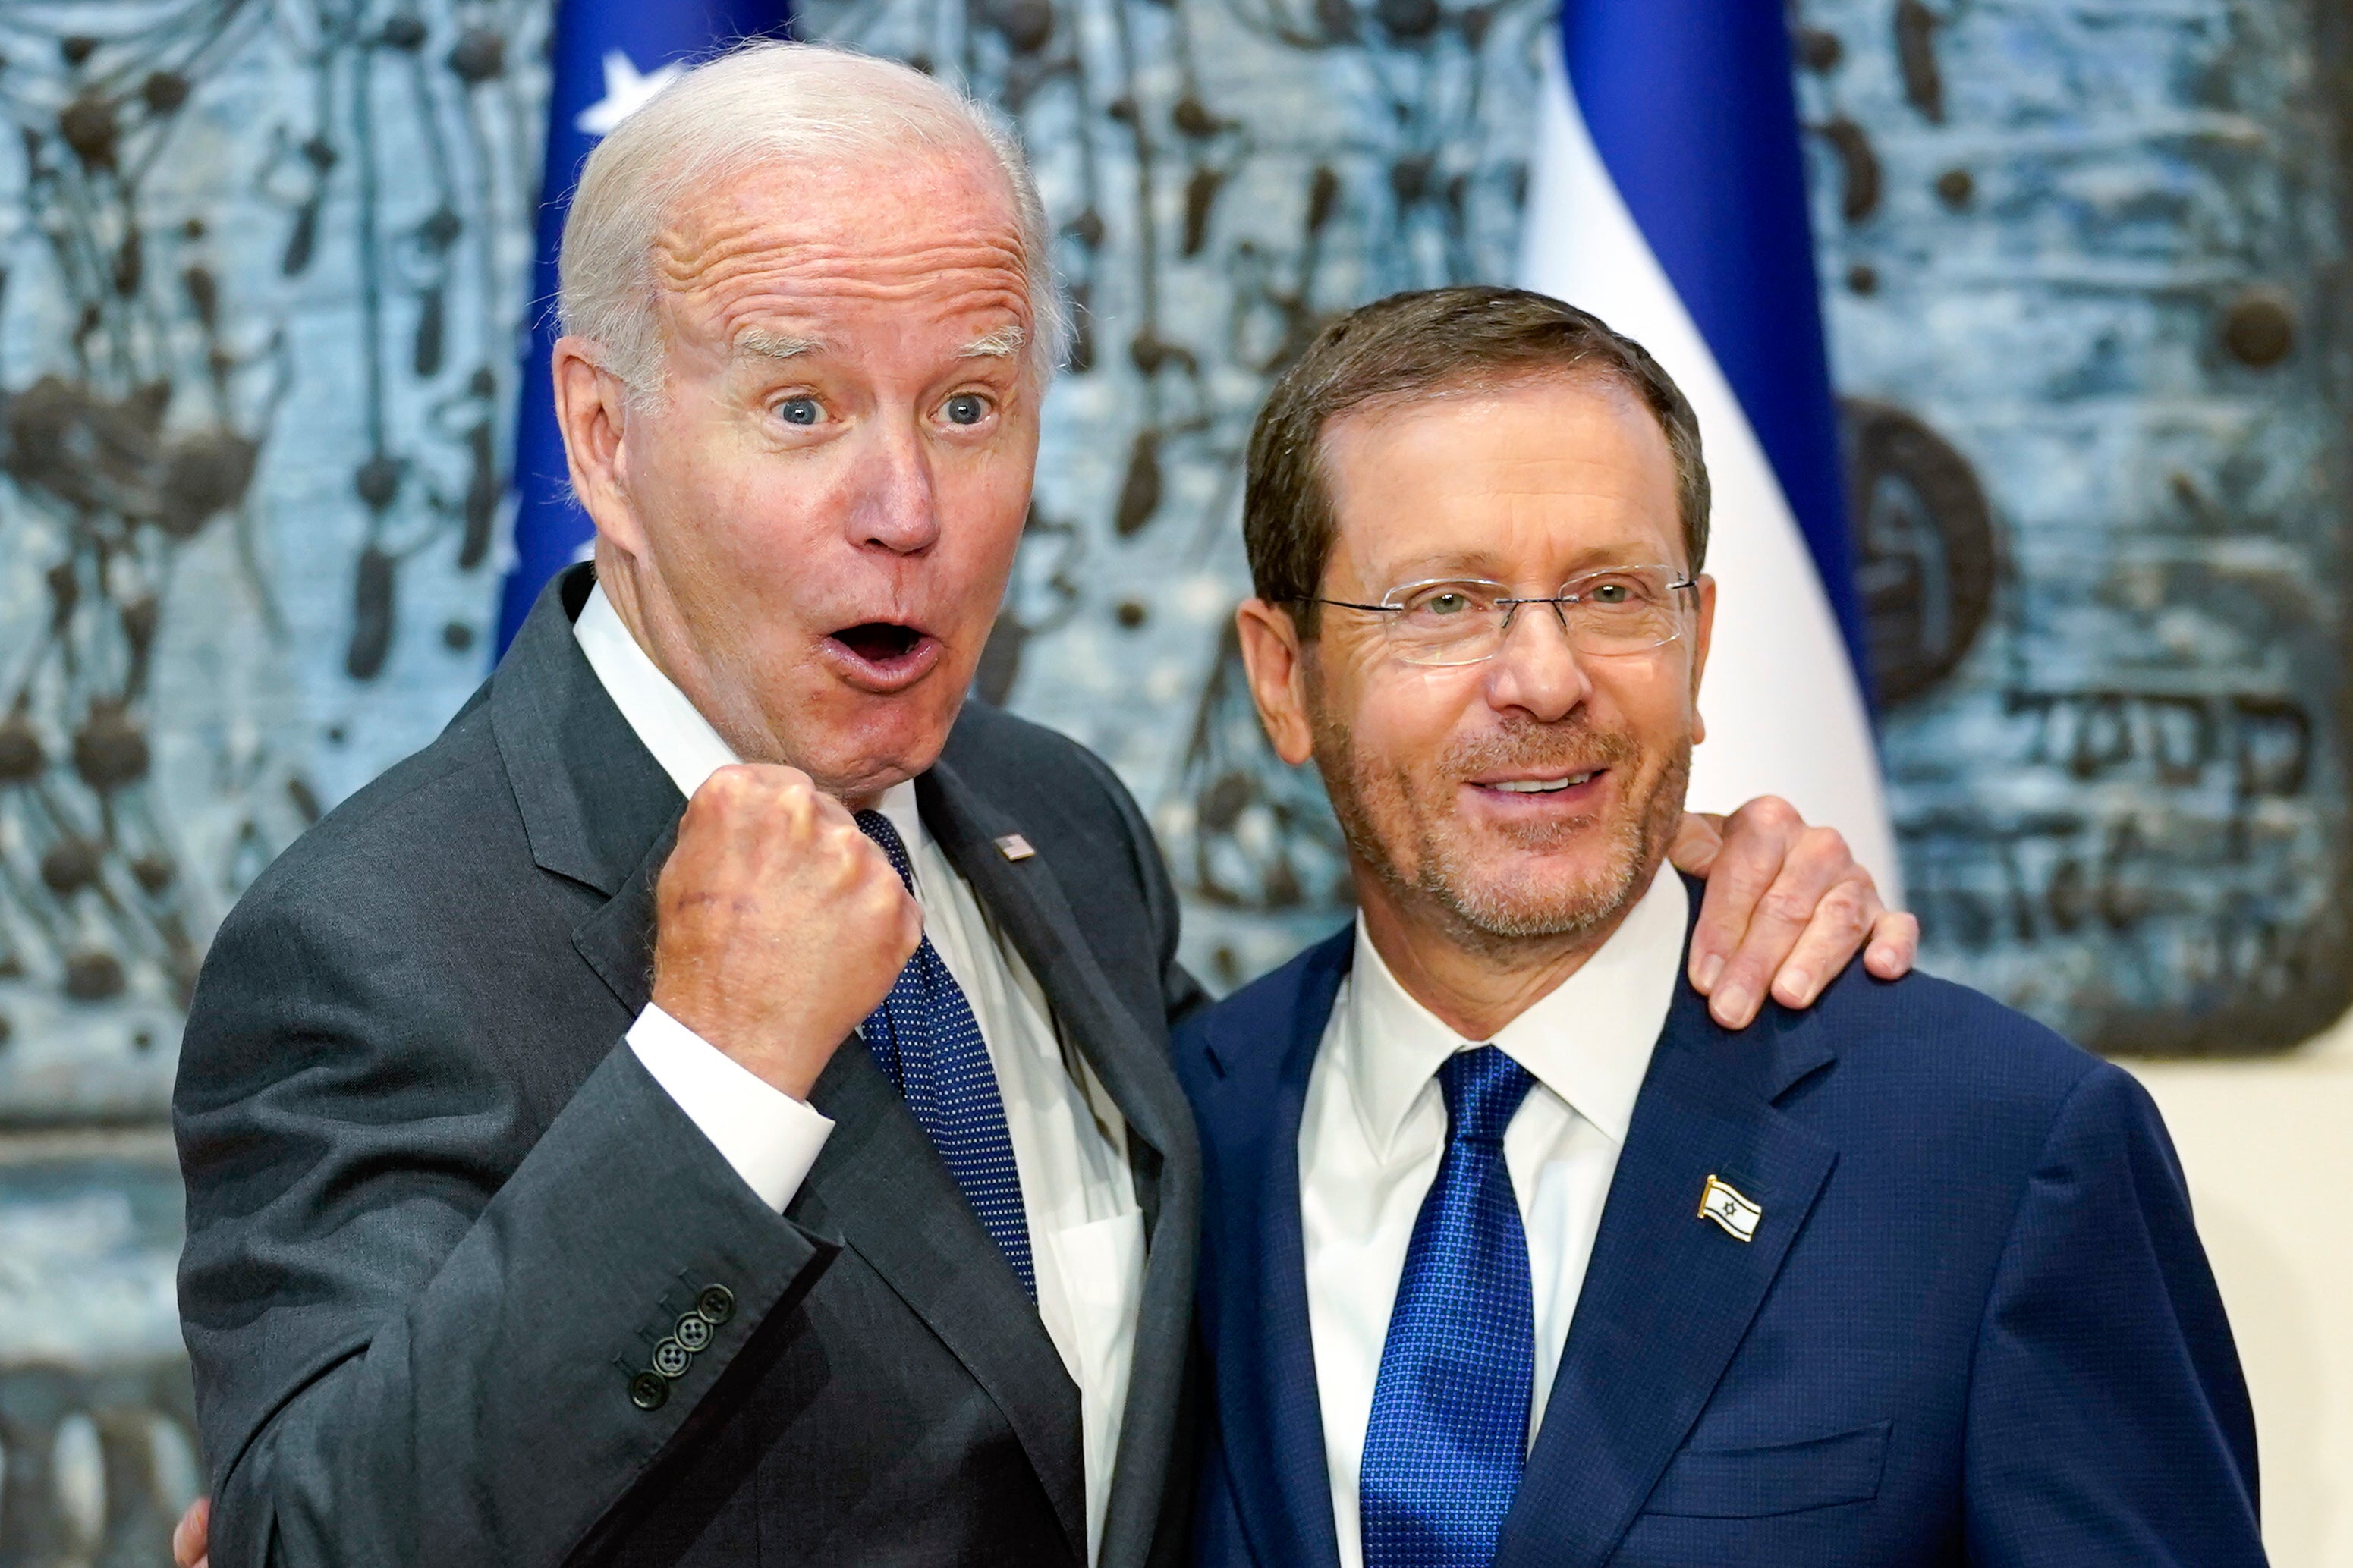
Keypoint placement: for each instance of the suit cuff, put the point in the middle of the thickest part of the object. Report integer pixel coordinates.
(770, 1138)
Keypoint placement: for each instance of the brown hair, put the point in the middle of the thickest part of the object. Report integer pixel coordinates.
(1409, 345)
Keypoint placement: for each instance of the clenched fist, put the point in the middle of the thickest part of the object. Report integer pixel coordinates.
(779, 926)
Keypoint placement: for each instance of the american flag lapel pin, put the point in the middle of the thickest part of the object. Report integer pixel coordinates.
(1013, 847)
(1723, 1203)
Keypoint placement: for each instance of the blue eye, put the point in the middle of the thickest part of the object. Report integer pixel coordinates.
(965, 408)
(797, 411)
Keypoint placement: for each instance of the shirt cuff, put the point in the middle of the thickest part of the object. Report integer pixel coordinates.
(769, 1137)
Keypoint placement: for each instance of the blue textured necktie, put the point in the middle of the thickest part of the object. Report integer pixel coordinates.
(1449, 1434)
(927, 1043)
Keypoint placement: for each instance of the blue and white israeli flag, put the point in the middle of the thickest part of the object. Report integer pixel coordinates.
(608, 56)
(1668, 197)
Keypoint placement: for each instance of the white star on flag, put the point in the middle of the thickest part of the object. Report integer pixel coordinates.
(626, 92)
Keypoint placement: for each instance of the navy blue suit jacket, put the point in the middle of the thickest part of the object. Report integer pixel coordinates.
(1974, 1324)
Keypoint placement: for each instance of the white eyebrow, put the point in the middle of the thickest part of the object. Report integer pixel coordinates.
(1003, 344)
(772, 345)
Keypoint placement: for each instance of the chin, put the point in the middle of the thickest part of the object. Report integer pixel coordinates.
(1552, 908)
(1510, 891)
(873, 742)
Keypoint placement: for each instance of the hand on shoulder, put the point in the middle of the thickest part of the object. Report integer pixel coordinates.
(1787, 908)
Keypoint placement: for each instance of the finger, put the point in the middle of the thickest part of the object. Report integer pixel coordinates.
(1698, 837)
(720, 814)
(1816, 863)
(188, 1535)
(832, 811)
(1756, 839)
(1895, 943)
(1829, 942)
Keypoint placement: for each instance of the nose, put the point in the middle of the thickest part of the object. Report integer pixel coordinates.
(895, 504)
(1536, 670)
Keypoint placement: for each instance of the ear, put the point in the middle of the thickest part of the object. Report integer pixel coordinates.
(1703, 628)
(1275, 661)
(592, 411)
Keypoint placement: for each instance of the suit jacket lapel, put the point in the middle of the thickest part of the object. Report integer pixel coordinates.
(1668, 1296)
(593, 798)
(617, 940)
(597, 806)
(882, 1187)
(1130, 1056)
(1270, 1411)
(1027, 901)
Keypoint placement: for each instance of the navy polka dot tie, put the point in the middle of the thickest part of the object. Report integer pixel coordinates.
(927, 1043)
(1449, 1434)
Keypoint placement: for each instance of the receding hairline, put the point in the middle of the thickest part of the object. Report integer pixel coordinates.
(806, 109)
(681, 209)
(687, 226)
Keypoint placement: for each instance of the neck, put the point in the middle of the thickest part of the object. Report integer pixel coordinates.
(1475, 982)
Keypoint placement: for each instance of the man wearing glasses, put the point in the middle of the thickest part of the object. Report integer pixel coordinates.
(1513, 1255)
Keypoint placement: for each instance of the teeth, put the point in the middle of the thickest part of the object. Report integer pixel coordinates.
(1543, 786)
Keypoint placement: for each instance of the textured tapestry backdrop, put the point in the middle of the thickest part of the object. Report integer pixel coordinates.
(263, 269)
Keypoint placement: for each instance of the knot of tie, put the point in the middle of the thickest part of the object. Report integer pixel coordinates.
(877, 827)
(1483, 1088)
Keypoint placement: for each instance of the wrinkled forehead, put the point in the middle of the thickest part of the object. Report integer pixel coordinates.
(908, 233)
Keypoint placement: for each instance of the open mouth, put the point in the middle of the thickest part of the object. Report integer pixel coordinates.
(1555, 784)
(883, 657)
(879, 642)
(1547, 786)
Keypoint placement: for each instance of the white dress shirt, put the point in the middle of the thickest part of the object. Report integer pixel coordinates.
(1069, 1141)
(1374, 1130)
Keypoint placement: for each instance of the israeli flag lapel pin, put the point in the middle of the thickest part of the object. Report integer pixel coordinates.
(1723, 1203)
(1013, 847)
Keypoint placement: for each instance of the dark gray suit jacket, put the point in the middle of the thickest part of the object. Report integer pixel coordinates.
(440, 1219)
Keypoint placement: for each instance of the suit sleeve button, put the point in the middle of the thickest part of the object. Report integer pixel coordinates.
(671, 1359)
(649, 1391)
(693, 1331)
(716, 1304)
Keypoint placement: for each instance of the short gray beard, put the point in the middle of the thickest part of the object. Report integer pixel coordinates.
(1482, 917)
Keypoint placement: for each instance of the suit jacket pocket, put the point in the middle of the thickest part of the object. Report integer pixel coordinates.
(1787, 1478)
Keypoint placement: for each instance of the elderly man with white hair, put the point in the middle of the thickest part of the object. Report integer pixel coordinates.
(712, 1105)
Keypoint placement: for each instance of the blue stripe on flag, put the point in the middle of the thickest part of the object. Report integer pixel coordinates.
(605, 55)
(1691, 108)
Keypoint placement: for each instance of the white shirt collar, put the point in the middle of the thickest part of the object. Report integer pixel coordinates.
(1589, 1040)
(680, 738)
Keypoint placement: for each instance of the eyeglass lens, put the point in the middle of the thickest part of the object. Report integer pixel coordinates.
(1626, 610)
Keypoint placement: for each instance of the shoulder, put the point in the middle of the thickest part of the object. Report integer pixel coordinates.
(1984, 1038)
(1008, 760)
(434, 805)
(423, 847)
(1241, 1047)
(1922, 1052)
(1067, 800)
